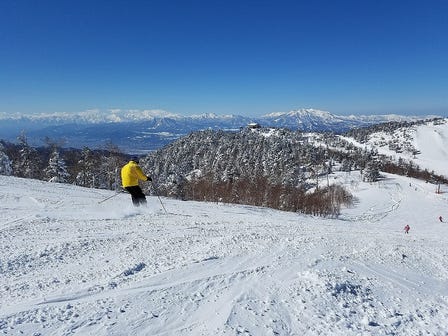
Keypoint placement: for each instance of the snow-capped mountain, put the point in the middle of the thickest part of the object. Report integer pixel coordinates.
(317, 120)
(146, 130)
(93, 116)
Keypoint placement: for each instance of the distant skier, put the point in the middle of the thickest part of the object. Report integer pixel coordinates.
(441, 219)
(131, 173)
(407, 228)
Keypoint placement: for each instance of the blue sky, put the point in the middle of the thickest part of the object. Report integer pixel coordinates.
(227, 57)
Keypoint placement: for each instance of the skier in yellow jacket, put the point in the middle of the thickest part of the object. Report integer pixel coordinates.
(131, 173)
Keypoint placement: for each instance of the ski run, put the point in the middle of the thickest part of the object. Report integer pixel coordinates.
(73, 266)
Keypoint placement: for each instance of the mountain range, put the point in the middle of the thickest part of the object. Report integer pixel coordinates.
(141, 131)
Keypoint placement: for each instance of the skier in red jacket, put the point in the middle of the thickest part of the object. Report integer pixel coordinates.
(407, 228)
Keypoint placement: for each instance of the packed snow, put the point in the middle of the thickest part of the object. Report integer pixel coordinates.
(73, 265)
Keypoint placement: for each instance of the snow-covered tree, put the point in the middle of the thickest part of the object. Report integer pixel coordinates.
(5, 163)
(109, 172)
(346, 165)
(28, 162)
(371, 172)
(86, 176)
(109, 168)
(99, 169)
(56, 170)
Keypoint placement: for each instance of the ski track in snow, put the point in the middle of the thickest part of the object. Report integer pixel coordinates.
(71, 266)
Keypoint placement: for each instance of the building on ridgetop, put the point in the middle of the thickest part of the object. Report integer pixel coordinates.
(253, 125)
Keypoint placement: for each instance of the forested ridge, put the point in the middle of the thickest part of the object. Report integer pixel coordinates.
(278, 168)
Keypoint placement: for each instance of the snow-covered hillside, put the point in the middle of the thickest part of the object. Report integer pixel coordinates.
(69, 265)
(426, 145)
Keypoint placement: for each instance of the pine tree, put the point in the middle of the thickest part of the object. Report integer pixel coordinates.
(28, 163)
(86, 173)
(346, 165)
(57, 169)
(109, 172)
(371, 172)
(5, 163)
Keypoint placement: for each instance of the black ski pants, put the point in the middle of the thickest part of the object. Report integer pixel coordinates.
(138, 197)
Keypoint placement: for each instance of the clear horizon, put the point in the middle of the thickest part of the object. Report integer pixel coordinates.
(246, 58)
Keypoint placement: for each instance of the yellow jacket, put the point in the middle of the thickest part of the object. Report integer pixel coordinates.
(131, 173)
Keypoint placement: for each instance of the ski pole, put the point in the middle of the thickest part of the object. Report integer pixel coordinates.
(152, 185)
(108, 198)
(162, 204)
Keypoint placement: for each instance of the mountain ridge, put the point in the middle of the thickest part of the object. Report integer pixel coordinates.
(142, 131)
(94, 116)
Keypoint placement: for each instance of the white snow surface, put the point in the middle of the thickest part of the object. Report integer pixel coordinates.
(430, 140)
(73, 266)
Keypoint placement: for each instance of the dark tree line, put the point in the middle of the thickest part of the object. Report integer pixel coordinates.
(325, 201)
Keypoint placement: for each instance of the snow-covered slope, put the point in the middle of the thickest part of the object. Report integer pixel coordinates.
(431, 141)
(69, 265)
(426, 145)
